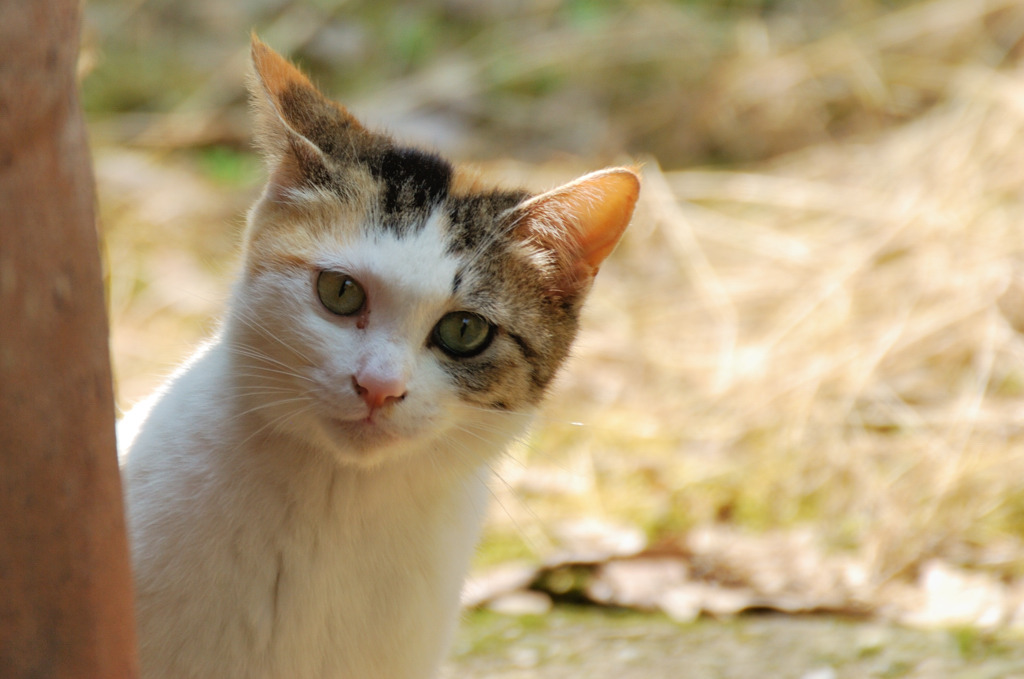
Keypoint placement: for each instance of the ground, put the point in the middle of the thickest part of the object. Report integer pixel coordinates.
(610, 644)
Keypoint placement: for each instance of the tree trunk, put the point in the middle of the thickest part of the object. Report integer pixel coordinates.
(65, 583)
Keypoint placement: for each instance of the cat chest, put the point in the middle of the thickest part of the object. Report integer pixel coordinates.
(340, 598)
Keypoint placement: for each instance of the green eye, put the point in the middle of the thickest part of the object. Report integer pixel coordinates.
(463, 334)
(341, 294)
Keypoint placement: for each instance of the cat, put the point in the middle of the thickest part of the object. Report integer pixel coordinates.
(305, 492)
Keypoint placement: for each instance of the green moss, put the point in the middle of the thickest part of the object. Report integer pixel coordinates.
(897, 669)
(501, 547)
(973, 643)
(229, 167)
(128, 80)
(1011, 385)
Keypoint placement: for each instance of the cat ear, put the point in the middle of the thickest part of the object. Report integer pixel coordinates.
(580, 223)
(297, 127)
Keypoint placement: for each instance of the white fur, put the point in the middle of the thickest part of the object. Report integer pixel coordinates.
(270, 541)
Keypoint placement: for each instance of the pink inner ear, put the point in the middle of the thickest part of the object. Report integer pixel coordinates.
(591, 213)
(604, 217)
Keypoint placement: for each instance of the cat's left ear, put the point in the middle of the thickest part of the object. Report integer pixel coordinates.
(580, 223)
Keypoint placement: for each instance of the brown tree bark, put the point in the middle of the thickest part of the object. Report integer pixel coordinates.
(65, 586)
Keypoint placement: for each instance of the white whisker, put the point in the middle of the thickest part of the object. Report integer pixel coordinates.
(249, 352)
(268, 372)
(459, 450)
(260, 391)
(262, 330)
(271, 404)
(273, 423)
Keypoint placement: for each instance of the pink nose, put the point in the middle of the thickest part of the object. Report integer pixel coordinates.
(379, 391)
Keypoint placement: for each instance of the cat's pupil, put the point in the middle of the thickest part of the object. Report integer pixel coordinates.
(340, 293)
(463, 334)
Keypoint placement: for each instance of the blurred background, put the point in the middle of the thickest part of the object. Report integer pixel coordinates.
(800, 381)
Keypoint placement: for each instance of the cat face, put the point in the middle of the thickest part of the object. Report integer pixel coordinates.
(389, 302)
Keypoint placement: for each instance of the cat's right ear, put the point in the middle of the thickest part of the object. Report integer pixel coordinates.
(297, 127)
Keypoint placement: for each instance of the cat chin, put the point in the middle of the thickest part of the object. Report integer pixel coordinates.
(362, 443)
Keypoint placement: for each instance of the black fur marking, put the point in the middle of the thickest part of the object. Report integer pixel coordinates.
(311, 167)
(528, 352)
(539, 381)
(475, 217)
(456, 283)
(314, 117)
(478, 377)
(414, 181)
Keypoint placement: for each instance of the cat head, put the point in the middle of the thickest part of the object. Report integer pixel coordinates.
(391, 302)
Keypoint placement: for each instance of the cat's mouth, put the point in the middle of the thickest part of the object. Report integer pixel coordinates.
(370, 430)
(370, 420)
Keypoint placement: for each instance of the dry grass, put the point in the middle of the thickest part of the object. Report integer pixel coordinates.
(829, 338)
